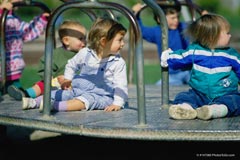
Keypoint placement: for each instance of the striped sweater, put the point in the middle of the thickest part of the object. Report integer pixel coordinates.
(17, 32)
(213, 72)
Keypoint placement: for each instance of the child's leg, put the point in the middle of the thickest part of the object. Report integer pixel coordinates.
(70, 105)
(232, 102)
(36, 90)
(182, 111)
(212, 111)
(33, 92)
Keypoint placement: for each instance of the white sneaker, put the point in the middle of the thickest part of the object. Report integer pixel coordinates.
(28, 103)
(182, 111)
(204, 113)
(211, 111)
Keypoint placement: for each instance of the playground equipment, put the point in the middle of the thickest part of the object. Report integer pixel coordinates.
(145, 117)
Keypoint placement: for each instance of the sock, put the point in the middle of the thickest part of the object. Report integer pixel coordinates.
(60, 105)
(31, 92)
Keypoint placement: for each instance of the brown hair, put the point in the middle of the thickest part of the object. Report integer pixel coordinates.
(206, 29)
(103, 28)
(168, 7)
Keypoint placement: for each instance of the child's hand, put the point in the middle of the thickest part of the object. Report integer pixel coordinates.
(66, 84)
(164, 57)
(7, 5)
(60, 79)
(137, 7)
(203, 12)
(46, 15)
(112, 108)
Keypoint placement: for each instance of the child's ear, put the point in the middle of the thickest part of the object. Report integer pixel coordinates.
(103, 41)
(65, 41)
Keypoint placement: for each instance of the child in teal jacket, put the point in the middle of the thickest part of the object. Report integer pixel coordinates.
(215, 71)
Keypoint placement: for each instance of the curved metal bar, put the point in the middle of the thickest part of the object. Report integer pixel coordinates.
(163, 24)
(90, 13)
(33, 4)
(192, 6)
(2, 37)
(3, 49)
(138, 40)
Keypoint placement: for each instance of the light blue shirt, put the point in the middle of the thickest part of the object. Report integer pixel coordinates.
(108, 76)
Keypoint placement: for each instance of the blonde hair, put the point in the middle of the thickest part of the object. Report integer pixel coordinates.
(206, 29)
(103, 27)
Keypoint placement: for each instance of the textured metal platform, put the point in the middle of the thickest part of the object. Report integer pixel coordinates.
(124, 124)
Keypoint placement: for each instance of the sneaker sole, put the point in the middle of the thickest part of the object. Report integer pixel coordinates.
(177, 112)
(15, 93)
(41, 106)
(24, 102)
(203, 113)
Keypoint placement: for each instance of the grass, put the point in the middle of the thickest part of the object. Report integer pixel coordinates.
(152, 74)
(29, 76)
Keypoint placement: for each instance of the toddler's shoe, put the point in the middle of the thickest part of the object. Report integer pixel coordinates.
(182, 111)
(16, 93)
(28, 103)
(208, 112)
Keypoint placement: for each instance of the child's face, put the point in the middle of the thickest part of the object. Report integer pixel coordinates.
(224, 39)
(172, 20)
(117, 43)
(76, 43)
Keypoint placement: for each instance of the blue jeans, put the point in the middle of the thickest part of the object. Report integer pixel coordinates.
(197, 99)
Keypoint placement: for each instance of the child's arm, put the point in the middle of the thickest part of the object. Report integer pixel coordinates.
(120, 86)
(34, 28)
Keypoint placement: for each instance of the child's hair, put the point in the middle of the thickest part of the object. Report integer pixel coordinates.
(103, 27)
(206, 29)
(168, 7)
(67, 28)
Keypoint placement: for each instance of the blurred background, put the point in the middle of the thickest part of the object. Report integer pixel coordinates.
(230, 9)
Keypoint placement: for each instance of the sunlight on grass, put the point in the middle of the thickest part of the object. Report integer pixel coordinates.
(152, 74)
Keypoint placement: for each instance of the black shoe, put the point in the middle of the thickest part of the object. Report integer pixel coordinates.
(16, 93)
